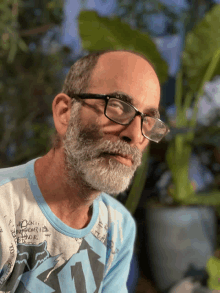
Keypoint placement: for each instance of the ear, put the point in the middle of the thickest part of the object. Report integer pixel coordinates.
(61, 108)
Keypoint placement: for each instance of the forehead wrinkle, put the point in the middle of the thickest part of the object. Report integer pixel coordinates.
(128, 98)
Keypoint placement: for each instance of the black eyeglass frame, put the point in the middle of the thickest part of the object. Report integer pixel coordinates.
(137, 112)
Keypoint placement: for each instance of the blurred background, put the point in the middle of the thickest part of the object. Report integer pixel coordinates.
(41, 39)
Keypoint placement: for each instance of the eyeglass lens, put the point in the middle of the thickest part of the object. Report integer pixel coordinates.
(120, 111)
(123, 113)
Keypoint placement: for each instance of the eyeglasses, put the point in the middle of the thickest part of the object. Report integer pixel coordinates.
(123, 113)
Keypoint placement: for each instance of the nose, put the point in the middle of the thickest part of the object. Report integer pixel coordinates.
(132, 133)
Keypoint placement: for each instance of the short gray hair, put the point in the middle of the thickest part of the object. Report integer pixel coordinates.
(76, 82)
(78, 77)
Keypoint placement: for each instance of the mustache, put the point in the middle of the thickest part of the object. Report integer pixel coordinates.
(121, 148)
(94, 141)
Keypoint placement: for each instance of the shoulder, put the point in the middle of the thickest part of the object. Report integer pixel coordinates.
(11, 174)
(14, 184)
(112, 202)
(120, 240)
(117, 212)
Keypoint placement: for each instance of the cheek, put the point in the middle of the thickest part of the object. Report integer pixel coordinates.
(100, 121)
(92, 126)
(92, 114)
(109, 127)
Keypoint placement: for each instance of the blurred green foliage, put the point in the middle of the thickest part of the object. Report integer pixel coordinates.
(213, 268)
(181, 147)
(200, 46)
(138, 14)
(200, 63)
(31, 63)
(103, 33)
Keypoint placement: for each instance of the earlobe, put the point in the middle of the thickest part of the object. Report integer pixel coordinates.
(61, 107)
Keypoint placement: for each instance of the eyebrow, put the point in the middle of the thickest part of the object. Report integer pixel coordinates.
(127, 98)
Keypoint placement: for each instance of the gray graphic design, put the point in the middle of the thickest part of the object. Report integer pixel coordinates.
(34, 270)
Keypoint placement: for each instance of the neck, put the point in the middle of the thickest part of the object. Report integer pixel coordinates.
(69, 202)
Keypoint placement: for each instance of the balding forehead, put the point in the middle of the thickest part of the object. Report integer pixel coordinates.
(123, 57)
(119, 64)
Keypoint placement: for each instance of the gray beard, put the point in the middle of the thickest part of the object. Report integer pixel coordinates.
(87, 162)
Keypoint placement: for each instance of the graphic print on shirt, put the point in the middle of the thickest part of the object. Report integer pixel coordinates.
(35, 269)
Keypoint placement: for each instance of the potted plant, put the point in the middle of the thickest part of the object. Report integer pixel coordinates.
(181, 237)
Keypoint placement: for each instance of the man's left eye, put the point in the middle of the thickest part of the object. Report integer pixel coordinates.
(116, 105)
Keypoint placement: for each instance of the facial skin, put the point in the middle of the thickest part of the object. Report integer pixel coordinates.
(71, 176)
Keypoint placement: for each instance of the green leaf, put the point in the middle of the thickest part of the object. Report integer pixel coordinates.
(138, 184)
(12, 52)
(200, 46)
(211, 198)
(213, 268)
(102, 33)
(22, 45)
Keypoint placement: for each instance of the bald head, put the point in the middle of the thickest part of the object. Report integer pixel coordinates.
(125, 72)
(119, 56)
(122, 63)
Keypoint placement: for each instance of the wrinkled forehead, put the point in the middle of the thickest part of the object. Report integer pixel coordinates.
(128, 73)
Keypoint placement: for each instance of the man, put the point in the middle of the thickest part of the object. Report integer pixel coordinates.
(60, 230)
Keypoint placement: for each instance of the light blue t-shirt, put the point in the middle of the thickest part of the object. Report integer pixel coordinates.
(39, 253)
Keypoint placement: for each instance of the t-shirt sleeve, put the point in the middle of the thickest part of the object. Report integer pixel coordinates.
(116, 278)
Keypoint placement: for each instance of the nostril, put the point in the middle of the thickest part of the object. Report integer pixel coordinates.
(126, 139)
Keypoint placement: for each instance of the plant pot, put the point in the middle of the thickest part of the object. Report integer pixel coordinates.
(180, 240)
